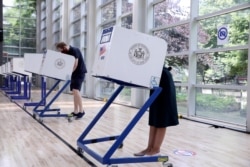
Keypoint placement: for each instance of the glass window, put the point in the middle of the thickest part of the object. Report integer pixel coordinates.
(109, 12)
(209, 6)
(57, 37)
(56, 26)
(28, 50)
(237, 24)
(43, 24)
(108, 25)
(43, 4)
(43, 34)
(171, 11)
(77, 27)
(127, 21)
(229, 68)
(84, 24)
(77, 12)
(223, 105)
(56, 14)
(77, 41)
(30, 23)
(10, 12)
(28, 32)
(181, 99)
(179, 66)
(104, 1)
(125, 96)
(76, 1)
(43, 44)
(43, 14)
(177, 38)
(56, 3)
(28, 42)
(107, 88)
(127, 6)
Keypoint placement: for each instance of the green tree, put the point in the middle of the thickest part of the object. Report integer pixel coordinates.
(232, 63)
(20, 27)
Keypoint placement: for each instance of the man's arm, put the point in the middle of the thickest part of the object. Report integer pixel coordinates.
(75, 65)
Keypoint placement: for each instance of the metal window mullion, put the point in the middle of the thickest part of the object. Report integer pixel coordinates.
(224, 11)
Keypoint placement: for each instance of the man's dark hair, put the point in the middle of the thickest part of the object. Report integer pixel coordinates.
(60, 45)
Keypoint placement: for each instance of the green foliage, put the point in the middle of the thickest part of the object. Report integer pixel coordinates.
(213, 102)
(224, 64)
(181, 97)
(20, 25)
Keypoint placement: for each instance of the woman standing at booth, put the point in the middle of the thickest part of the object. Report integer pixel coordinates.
(162, 114)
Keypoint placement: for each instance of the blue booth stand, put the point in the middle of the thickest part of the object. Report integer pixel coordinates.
(107, 159)
(41, 113)
(43, 95)
(137, 62)
(22, 94)
(55, 65)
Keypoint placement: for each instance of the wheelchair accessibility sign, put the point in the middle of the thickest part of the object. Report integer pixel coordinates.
(222, 35)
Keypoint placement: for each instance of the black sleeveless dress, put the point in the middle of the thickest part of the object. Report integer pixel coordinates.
(163, 111)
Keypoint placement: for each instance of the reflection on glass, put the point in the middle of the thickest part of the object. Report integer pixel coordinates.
(77, 13)
(171, 11)
(28, 43)
(104, 1)
(209, 6)
(223, 105)
(238, 30)
(28, 50)
(127, 6)
(181, 98)
(43, 14)
(127, 21)
(10, 12)
(107, 88)
(28, 32)
(76, 1)
(177, 38)
(109, 12)
(43, 4)
(108, 25)
(179, 66)
(56, 37)
(19, 25)
(77, 41)
(77, 27)
(56, 3)
(56, 26)
(125, 95)
(222, 68)
(56, 14)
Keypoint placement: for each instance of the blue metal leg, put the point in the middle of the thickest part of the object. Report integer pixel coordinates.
(23, 96)
(43, 94)
(47, 107)
(106, 159)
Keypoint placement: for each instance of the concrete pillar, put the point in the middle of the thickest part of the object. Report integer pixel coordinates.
(91, 47)
(138, 96)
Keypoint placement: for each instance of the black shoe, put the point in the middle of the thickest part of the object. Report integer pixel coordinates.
(79, 115)
(73, 114)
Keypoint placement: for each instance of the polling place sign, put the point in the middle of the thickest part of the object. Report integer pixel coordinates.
(222, 34)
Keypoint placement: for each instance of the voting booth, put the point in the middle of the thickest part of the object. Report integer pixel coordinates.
(54, 65)
(32, 62)
(17, 66)
(128, 58)
(50, 64)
